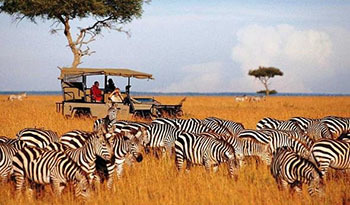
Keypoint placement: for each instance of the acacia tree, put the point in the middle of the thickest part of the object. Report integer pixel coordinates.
(264, 74)
(107, 14)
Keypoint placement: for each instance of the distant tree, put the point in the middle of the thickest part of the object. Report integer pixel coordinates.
(108, 14)
(264, 74)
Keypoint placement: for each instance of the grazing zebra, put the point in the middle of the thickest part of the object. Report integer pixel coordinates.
(337, 125)
(216, 128)
(36, 137)
(43, 166)
(201, 150)
(85, 152)
(259, 135)
(7, 150)
(233, 127)
(162, 136)
(318, 130)
(122, 147)
(280, 139)
(303, 122)
(331, 153)
(289, 168)
(247, 147)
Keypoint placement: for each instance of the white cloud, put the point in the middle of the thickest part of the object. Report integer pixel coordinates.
(206, 77)
(303, 55)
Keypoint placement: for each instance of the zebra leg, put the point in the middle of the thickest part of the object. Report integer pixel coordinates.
(284, 183)
(20, 182)
(119, 170)
(215, 168)
(110, 169)
(188, 166)
(179, 160)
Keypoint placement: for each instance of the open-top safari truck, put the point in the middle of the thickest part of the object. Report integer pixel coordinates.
(78, 100)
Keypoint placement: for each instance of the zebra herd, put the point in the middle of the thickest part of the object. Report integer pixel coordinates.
(298, 151)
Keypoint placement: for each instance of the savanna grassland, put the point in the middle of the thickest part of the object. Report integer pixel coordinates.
(156, 181)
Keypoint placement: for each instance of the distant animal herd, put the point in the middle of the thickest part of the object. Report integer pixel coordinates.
(298, 150)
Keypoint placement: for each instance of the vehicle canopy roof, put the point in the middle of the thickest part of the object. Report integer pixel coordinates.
(123, 72)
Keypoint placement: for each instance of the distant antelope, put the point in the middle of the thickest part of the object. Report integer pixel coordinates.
(19, 96)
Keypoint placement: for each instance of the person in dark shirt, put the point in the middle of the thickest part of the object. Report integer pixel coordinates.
(110, 86)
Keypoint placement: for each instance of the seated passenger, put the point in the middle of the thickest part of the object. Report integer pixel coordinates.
(116, 96)
(96, 93)
(110, 86)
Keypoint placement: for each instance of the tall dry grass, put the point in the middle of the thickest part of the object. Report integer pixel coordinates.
(157, 182)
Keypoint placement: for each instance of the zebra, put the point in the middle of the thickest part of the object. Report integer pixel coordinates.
(245, 147)
(122, 147)
(36, 137)
(120, 144)
(318, 130)
(280, 139)
(43, 166)
(303, 122)
(331, 153)
(85, 154)
(337, 125)
(233, 127)
(7, 150)
(162, 136)
(259, 135)
(289, 168)
(111, 116)
(201, 150)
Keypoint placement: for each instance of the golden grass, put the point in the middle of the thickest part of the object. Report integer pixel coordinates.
(157, 182)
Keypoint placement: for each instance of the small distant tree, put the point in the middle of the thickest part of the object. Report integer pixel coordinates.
(106, 14)
(264, 74)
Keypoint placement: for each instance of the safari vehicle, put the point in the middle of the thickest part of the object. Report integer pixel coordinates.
(78, 99)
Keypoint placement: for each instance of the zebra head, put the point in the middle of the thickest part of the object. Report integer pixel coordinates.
(316, 184)
(141, 133)
(112, 113)
(134, 148)
(81, 185)
(231, 160)
(102, 147)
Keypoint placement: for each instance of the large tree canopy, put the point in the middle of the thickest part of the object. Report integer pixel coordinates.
(109, 14)
(264, 74)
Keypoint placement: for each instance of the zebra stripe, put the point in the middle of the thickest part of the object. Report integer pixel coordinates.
(36, 137)
(48, 167)
(7, 150)
(112, 115)
(337, 125)
(331, 153)
(233, 127)
(258, 135)
(281, 139)
(268, 123)
(91, 146)
(303, 122)
(318, 130)
(201, 150)
(247, 147)
(162, 136)
(289, 168)
(168, 121)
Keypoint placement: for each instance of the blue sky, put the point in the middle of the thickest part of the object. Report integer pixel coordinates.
(197, 46)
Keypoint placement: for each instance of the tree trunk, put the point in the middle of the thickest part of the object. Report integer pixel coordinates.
(267, 91)
(72, 45)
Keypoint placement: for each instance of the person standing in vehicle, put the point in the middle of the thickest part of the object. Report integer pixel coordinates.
(110, 86)
(96, 92)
